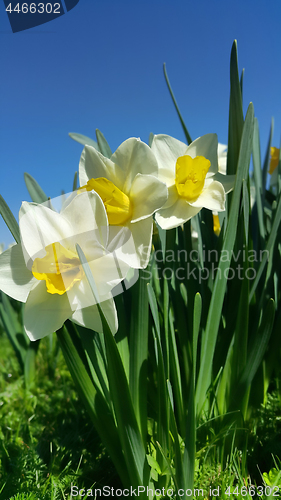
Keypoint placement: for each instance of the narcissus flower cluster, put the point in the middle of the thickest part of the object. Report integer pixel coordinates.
(110, 217)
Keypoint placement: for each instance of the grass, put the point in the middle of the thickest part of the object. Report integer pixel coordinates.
(47, 441)
(46, 438)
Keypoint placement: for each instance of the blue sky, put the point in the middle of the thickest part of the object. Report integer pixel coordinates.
(101, 66)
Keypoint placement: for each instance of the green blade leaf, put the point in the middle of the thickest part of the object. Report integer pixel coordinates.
(260, 187)
(103, 144)
(36, 192)
(215, 309)
(9, 219)
(257, 351)
(162, 392)
(128, 430)
(186, 133)
(75, 182)
(29, 364)
(139, 350)
(92, 399)
(267, 154)
(236, 119)
(13, 328)
(196, 325)
(268, 249)
(150, 139)
(83, 139)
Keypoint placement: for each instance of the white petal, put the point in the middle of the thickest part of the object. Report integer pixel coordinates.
(173, 196)
(206, 146)
(15, 279)
(107, 272)
(227, 181)
(212, 197)
(44, 312)
(93, 165)
(222, 158)
(147, 194)
(90, 318)
(176, 214)
(39, 227)
(87, 217)
(134, 157)
(167, 150)
(136, 251)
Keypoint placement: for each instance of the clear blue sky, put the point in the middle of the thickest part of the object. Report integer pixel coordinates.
(101, 66)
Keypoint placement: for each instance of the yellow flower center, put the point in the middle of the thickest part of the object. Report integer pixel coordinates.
(117, 204)
(190, 176)
(216, 224)
(274, 159)
(60, 268)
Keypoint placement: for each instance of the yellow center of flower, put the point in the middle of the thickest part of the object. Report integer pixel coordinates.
(117, 204)
(190, 176)
(274, 159)
(60, 268)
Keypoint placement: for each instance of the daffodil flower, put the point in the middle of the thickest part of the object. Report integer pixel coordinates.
(192, 176)
(45, 272)
(128, 185)
(274, 159)
(222, 160)
(216, 224)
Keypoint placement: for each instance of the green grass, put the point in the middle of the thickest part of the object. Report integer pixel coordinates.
(47, 441)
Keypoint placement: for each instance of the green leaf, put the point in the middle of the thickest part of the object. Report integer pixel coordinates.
(260, 187)
(29, 364)
(121, 336)
(128, 430)
(83, 139)
(75, 182)
(246, 209)
(162, 392)
(267, 154)
(186, 133)
(9, 219)
(103, 144)
(190, 440)
(268, 249)
(36, 192)
(179, 476)
(130, 437)
(196, 325)
(95, 360)
(242, 82)
(153, 464)
(215, 308)
(256, 352)
(154, 308)
(150, 139)
(92, 399)
(13, 328)
(236, 119)
(139, 350)
(176, 374)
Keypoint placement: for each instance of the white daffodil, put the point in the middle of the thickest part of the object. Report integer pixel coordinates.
(130, 190)
(192, 176)
(45, 272)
